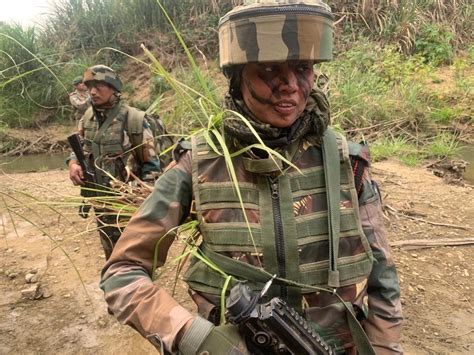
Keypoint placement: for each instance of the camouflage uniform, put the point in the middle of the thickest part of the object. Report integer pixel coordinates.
(80, 102)
(114, 147)
(297, 246)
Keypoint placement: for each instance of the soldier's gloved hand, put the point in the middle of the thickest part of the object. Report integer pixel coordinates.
(203, 337)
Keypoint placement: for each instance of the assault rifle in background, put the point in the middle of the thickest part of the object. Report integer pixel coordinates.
(87, 190)
(273, 327)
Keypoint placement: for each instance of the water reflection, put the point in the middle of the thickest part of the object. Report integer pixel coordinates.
(467, 154)
(32, 163)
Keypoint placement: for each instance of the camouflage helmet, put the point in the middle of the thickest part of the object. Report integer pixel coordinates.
(276, 30)
(103, 73)
(77, 80)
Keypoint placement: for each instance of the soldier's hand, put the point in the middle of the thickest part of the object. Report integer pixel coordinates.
(203, 337)
(75, 173)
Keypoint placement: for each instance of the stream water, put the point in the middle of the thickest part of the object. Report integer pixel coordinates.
(467, 154)
(33, 163)
(44, 162)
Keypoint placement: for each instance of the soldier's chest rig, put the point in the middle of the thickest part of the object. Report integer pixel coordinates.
(110, 140)
(303, 226)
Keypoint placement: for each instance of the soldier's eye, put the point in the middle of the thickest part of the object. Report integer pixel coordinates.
(303, 67)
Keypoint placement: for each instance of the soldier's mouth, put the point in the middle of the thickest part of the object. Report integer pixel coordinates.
(285, 107)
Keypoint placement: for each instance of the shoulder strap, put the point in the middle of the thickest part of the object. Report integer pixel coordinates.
(332, 175)
(88, 114)
(135, 120)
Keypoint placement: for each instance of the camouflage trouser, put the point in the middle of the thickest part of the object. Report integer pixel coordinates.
(109, 232)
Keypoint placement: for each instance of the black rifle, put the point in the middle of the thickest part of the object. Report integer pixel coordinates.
(273, 327)
(87, 190)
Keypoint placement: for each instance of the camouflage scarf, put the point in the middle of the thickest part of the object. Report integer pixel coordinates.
(314, 120)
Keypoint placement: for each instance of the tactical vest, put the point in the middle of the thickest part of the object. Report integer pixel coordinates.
(106, 145)
(287, 217)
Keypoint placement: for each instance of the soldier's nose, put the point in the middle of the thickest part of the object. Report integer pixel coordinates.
(288, 80)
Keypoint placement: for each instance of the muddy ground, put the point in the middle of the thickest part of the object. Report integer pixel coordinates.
(69, 315)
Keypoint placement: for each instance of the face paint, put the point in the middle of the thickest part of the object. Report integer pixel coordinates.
(277, 92)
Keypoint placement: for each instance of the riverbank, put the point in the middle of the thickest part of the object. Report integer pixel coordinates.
(69, 315)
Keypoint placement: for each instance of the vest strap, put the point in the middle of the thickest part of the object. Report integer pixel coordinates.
(333, 181)
(234, 267)
(361, 341)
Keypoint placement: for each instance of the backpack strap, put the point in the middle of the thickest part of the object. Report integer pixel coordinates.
(135, 121)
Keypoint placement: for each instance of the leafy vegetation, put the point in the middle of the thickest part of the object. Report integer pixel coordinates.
(383, 83)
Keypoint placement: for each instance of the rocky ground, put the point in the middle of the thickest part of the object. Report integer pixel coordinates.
(50, 261)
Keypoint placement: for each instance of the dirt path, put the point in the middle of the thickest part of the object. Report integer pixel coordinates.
(71, 316)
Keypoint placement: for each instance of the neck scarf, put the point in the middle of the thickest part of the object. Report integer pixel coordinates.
(313, 120)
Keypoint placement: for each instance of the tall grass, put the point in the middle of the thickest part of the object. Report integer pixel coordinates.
(124, 24)
(375, 86)
(380, 95)
(404, 22)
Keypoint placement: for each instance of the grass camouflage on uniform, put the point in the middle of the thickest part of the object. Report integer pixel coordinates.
(147, 307)
(256, 32)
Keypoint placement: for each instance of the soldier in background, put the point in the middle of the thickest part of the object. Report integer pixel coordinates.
(79, 99)
(315, 223)
(118, 143)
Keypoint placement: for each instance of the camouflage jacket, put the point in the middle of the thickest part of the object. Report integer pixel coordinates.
(107, 145)
(135, 300)
(80, 102)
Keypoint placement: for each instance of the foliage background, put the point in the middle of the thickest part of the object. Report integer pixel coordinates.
(388, 56)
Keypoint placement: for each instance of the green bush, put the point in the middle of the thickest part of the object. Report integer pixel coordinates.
(444, 114)
(434, 44)
(443, 145)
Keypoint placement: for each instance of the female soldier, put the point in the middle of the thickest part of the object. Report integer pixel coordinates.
(314, 222)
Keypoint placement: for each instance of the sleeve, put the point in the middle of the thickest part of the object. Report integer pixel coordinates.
(384, 322)
(131, 295)
(78, 102)
(144, 161)
(151, 162)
